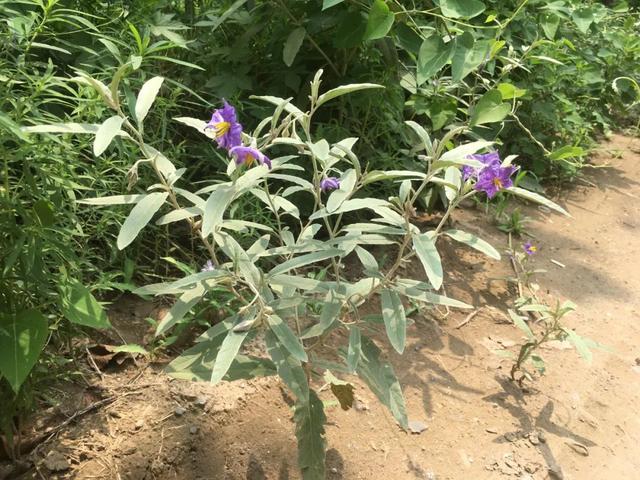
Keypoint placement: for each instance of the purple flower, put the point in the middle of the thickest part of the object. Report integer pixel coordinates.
(529, 248)
(208, 267)
(329, 183)
(247, 155)
(493, 178)
(225, 126)
(487, 159)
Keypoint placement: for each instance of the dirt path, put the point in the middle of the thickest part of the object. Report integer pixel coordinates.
(578, 421)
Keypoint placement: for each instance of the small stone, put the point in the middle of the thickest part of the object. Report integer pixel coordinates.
(638, 361)
(201, 402)
(534, 439)
(491, 430)
(179, 411)
(334, 470)
(360, 406)
(139, 424)
(510, 437)
(130, 451)
(542, 437)
(56, 462)
(114, 414)
(417, 427)
(193, 430)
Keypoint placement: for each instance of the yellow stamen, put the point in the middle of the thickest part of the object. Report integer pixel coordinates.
(533, 248)
(221, 128)
(249, 159)
(497, 182)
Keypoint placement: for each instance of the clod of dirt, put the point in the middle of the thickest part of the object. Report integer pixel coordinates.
(417, 427)
(200, 402)
(139, 424)
(56, 462)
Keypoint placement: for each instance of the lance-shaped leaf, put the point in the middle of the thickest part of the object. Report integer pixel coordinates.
(381, 379)
(328, 315)
(521, 324)
(354, 353)
(292, 45)
(474, 242)
(537, 198)
(228, 351)
(395, 320)
(22, 338)
(146, 97)
(215, 207)
(113, 200)
(185, 303)
(140, 215)
(286, 336)
(425, 247)
(343, 90)
(303, 260)
(106, 133)
(289, 369)
(310, 419)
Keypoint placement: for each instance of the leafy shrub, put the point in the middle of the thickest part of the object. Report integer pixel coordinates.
(290, 289)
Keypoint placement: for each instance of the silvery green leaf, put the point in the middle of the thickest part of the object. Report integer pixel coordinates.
(395, 320)
(259, 246)
(243, 225)
(474, 242)
(287, 237)
(106, 133)
(425, 247)
(288, 367)
(452, 176)
(179, 309)
(214, 209)
(287, 338)
(347, 184)
(303, 260)
(289, 108)
(66, 128)
(192, 197)
(537, 198)
(293, 179)
(280, 203)
(343, 90)
(146, 97)
(112, 200)
(352, 205)
(368, 261)
(178, 215)
(421, 291)
(405, 190)
(521, 324)
(161, 162)
(199, 125)
(377, 175)
(460, 155)
(382, 380)
(355, 349)
(310, 419)
(140, 215)
(372, 228)
(226, 355)
(422, 135)
(239, 257)
(320, 149)
(328, 315)
(580, 343)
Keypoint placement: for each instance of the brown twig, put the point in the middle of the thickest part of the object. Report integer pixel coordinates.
(468, 318)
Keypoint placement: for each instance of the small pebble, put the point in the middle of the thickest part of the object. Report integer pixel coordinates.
(491, 430)
(193, 430)
(139, 424)
(179, 411)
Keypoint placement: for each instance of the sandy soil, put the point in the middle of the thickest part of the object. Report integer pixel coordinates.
(578, 421)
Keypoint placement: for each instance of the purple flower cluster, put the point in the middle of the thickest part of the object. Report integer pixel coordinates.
(228, 132)
(529, 248)
(329, 183)
(492, 176)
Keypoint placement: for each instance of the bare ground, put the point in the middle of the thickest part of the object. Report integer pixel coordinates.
(578, 421)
